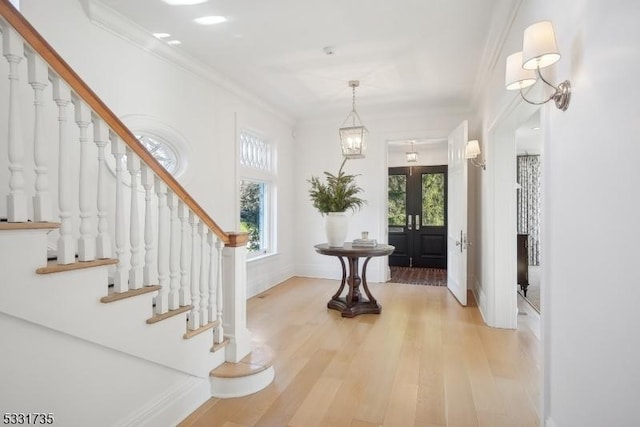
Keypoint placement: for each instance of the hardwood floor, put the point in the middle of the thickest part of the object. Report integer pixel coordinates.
(425, 361)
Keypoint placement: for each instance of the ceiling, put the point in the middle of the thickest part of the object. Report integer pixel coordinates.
(407, 54)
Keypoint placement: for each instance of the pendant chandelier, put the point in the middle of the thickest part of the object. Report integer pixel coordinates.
(412, 156)
(352, 132)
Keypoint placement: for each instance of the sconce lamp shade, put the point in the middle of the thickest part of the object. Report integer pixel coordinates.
(517, 77)
(472, 150)
(353, 141)
(539, 47)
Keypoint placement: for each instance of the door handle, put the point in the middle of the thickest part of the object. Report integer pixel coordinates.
(409, 225)
(417, 222)
(461, 241)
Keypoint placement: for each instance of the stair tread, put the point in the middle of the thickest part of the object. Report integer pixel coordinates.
(159, 317)
(218, 346)
(260, 359)
(28, 225)
(117, 296)
(201, 329)
(54, 267)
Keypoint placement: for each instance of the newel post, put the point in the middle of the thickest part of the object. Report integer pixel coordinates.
(234, 277)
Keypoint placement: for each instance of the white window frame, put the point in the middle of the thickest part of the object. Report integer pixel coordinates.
(264, 175)
(155, 129)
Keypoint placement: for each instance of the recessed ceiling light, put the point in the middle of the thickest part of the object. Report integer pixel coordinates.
(161, 35)
(174, 42)
(210, 20)
(535, 128)
(183, 2)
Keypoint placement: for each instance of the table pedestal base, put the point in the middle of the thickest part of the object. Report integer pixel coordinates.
(353, 304)
(358, 307)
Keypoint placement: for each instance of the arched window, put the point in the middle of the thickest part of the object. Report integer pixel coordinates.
(161, 150)
(164, 143)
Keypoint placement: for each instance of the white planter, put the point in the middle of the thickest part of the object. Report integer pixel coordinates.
(335, 226)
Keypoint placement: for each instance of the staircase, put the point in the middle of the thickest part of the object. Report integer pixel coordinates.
(141, 315)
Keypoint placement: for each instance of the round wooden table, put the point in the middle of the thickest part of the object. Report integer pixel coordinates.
(353, 304)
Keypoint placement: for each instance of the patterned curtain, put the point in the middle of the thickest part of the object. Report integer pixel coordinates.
(529, 204)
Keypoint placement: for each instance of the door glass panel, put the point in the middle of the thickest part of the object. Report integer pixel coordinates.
(433, 199)
(397, 196)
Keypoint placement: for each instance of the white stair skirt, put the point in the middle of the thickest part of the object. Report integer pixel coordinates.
(241, 386)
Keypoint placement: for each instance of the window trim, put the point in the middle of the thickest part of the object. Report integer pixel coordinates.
(268, 177)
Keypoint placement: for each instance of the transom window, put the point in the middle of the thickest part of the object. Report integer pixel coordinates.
(255, 153)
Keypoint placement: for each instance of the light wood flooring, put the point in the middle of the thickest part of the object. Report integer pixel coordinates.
(425, 361)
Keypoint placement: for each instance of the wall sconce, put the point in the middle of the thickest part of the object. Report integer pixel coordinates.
(472, 150)
(539, 50)
(353, 135)
(412, 156)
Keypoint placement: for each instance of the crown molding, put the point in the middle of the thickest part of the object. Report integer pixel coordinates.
(105, 17)
(501, 24)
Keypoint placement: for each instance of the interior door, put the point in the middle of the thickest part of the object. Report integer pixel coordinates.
(457, 213)
(417, 197)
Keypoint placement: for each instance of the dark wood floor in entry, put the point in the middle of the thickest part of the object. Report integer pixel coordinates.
(425, 361)
(419, 276)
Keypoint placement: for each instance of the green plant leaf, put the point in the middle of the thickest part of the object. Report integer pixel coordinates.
(338, 193)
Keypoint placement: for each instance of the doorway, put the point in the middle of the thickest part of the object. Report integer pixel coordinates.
(529, 195)
(417, 217)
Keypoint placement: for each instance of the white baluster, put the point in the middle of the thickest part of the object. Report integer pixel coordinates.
(121, 277)
(66, 248)
(218, 335)
(162, 300)
(135, 272)
(183, 214)
(149, 272)
(204, 288)
(211, 306)
(13, 51)
(39, 79)
(194, 316)
(101, 138)
(174, 252)
(87, 240)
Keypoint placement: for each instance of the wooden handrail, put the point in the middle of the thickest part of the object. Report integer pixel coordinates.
(80, 88)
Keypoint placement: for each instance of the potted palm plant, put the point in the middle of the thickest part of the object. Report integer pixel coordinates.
(333, 197)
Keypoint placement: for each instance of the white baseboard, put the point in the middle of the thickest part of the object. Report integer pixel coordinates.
(481, 299)
(171, 407)
(258, 283)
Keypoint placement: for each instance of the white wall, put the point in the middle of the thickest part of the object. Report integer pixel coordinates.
(433, 154)
(133, 80)
(318, 149)
(109, 388)
(589, 286)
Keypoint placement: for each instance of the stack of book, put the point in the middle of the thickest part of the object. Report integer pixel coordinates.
(364, 243)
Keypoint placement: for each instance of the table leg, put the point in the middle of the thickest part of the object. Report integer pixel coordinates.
(344, 279)
(354, 282)
(364, 282)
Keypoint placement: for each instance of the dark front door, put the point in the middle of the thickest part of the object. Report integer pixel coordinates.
(417, 198)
